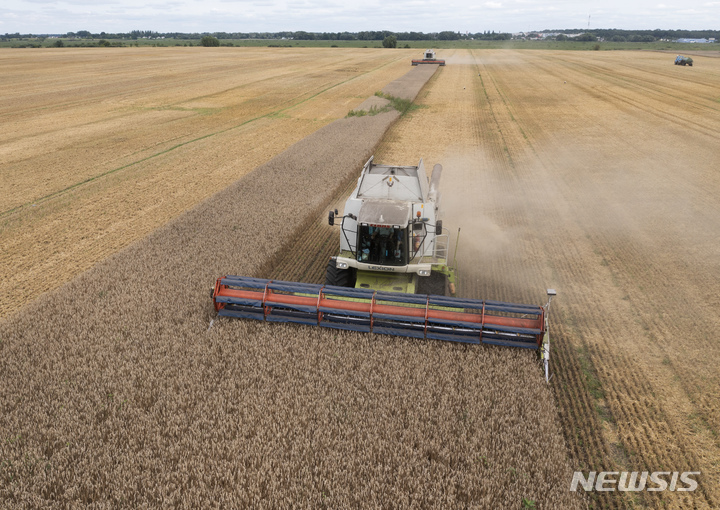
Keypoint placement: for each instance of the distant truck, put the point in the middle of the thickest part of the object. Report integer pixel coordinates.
(683, 61)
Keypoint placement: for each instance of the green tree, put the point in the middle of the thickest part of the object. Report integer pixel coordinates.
(641, 38)
(59, 43)
(209, 40)
(448, 36)
(304, 36)
(586, 38)
(390, 42)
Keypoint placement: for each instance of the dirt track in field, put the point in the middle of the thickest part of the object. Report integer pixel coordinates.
(98, 148)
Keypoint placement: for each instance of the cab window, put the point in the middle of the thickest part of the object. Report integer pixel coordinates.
(382, 245)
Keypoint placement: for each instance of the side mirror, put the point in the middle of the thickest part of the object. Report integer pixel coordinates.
(438, 228)
(331, 218)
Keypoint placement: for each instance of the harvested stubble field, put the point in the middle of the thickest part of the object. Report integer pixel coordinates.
(596, 174)
(99, 148)
(592, 173)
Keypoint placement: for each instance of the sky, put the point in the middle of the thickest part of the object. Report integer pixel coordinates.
(62, 16)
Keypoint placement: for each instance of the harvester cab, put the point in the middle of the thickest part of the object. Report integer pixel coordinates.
(392, 237)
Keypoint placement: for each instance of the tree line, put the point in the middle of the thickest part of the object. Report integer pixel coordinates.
(614, 34)
(381, 35)
(301, 35)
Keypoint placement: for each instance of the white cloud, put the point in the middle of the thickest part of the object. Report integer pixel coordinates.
(53, 16)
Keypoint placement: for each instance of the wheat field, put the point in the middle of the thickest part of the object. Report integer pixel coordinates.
(590, 172)
(99, 149)
(118, 392)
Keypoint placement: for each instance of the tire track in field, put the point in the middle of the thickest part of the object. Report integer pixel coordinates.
(624, 381)
(557, 205)
(505, 196)
(516, 200)
(663, 102)
(665, 83)
(100, 94)
(518, 278)
(647, 447)
(655, 85)
(635, 265)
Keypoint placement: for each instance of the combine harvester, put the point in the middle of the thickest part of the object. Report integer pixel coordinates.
(429, 58)
(391, 276)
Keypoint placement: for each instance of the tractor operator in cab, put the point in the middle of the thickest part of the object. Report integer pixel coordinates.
(382, 244)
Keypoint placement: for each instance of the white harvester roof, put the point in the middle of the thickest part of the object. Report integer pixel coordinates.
(401, 183)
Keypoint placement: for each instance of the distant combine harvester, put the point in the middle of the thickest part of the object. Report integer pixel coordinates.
(429, 58)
